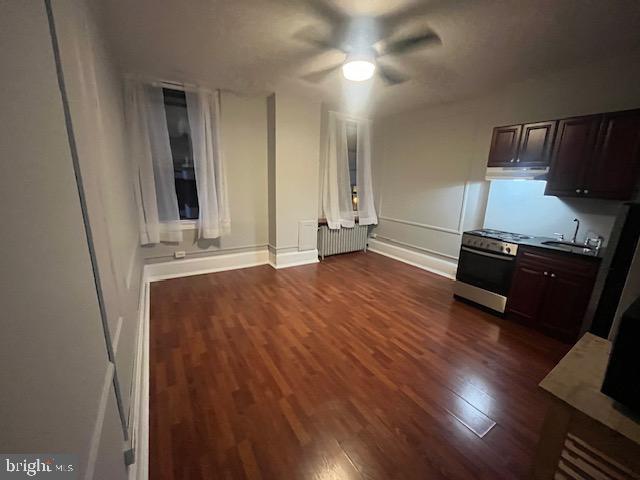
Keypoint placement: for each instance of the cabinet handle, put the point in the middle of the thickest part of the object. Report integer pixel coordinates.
(553, 275)
(546, 273)
(517, 160)
(578, 190)
(511, 160)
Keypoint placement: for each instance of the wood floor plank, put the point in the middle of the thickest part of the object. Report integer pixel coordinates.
(359, 367)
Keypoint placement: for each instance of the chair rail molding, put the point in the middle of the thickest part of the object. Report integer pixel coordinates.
(421, 225)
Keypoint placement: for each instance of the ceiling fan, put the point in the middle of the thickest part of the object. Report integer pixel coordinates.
(364, 40)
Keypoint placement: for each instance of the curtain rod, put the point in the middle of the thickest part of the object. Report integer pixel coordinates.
(161, 82)
(183, 86)
(176, 85)
(350, 117)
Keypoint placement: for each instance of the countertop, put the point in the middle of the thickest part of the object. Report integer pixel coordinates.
(583, 252)
(577, 380)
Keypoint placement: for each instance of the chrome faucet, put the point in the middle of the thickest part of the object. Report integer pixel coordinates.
(575, 234)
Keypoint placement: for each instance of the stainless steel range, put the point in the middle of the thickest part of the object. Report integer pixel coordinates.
(485, 267)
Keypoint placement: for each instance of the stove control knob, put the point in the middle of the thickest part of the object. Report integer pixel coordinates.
(508, 249)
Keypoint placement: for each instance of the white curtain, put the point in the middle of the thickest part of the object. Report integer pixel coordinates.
(366, 208)
(150, 151)
(203, 109)
(335, 189)
(335, 181)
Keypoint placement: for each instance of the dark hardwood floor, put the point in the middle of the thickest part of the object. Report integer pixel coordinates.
(360, 367)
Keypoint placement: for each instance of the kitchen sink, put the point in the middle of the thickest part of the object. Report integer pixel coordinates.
(559, 243)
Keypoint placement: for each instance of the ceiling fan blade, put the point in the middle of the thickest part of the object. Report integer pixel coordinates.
(319, 75)
(327, 10)
(390, 75)
(311, 36)
(418, 8)
(412, 42)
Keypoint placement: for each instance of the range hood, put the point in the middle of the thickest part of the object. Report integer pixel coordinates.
(517, 173)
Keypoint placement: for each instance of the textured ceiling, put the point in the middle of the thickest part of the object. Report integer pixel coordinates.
(248, 46)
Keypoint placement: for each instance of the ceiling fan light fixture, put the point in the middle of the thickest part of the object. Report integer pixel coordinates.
(358, 70)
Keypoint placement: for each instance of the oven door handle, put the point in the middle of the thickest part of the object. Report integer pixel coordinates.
(487, 254)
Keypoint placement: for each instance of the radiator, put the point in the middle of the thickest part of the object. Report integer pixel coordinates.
(343, 240)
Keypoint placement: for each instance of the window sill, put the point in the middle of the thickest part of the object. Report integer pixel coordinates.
(323, 221)
(186, 224)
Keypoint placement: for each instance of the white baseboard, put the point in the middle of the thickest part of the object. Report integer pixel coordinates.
(133, 261)
(422, 260)
(293, 259)
(198, 266)
(98, 426)
(139, 420)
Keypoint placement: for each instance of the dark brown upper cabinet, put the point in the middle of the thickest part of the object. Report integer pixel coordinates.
(526, 145)
(596, 156)
(572, 153)
(615, 167)
(592, 156)
(504, 146)
(535, 144)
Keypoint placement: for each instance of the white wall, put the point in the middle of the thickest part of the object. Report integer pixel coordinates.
(94, 91)
(297, 164)
(422, 159)
(53, 360)
(522, 207)
(244, 137)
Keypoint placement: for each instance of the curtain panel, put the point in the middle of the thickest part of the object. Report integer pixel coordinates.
(152, 162)
(203, 109)
(335, 189)
(366, 208)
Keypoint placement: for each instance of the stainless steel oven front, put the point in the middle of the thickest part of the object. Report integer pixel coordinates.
(485, 268)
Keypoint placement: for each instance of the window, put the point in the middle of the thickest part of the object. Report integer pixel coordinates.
(352, 148)
(175, 104)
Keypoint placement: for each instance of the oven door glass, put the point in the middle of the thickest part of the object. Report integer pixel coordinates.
(485, 270)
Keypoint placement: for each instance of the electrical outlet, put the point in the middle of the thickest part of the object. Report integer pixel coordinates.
(179, 254)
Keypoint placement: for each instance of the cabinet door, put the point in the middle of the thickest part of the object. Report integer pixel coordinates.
(527, 292)
(504, 146)
(572, 153)
(614, 170)
(565, 304)
(535, 144)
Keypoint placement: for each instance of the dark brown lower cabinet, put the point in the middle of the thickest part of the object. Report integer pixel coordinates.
(550, 291)
(527, 293)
